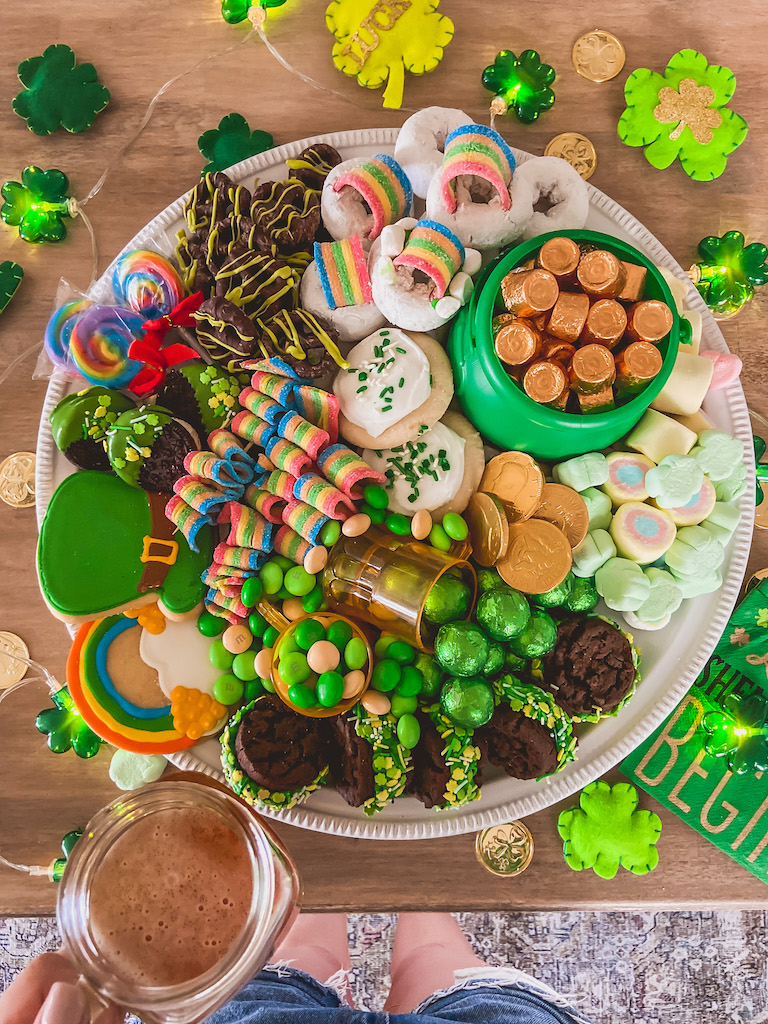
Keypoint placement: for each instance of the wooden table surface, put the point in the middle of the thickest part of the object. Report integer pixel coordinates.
(137, 46)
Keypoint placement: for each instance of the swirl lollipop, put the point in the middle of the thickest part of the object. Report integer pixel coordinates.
(99, 345)
(59, 332)
(147, 283)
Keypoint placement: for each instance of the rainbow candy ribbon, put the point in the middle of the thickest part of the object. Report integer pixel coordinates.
(343, 271)
(434, 250)
(385, 187)
(476, 149)
(346, 470)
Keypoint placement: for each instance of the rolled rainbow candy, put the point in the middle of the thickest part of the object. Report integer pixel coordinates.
(207, 499)
(239, 557)
(321, 494)
(230, 608)
(641, 532)
(260, 405)
(305, 520)
(281, 484)
(481, 151)
(99, 345)
(58, 333)
(274, 364)
(385, 187)
(209, 468)
(222, 613)
(265, 464)
(435, 251)
(290, 544)
(346, 470)
(224, 443)
(186, 519)
(319, 407)
(343, 270)
(269, 505)
(288, 457)
(247, 528)
(216, 574)
(252, 428)
(147, 283)
(274, 386)
(294, 428)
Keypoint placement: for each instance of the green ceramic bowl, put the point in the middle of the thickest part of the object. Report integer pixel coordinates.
(500, 409)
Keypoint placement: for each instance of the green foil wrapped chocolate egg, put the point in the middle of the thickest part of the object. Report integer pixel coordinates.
(489, 579)
(461, 648)
(503, 613)
(557, 596)
(537, 638)
(448, 599)
(494, 663)
(467, 702)
(432, 673)
(583, 596)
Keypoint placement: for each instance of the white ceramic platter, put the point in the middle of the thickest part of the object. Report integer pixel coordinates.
(671, 658)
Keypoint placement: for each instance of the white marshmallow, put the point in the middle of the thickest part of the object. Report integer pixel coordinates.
(473, 261)
(657, 436)
(392, 240)
(686, 386)
(447, 307)
(461, 287)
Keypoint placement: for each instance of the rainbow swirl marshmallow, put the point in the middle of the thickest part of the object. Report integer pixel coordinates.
(622, 585)
(626, 477)
(675, 481)
(694, 511)
(642, 533)
(718, 453)
(421, 144)
(660, 605)
(590, 470)
(599, 508)
(361, 196)
(594, 551)
(548, 179)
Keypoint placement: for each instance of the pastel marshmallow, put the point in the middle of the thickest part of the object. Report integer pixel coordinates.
(622, 584)
(727, 368)
(675, 481)
(734, 485)
(590, 470)
(687, 385)
(704, 583)
(725, 515)
(473, 261)
(599, 508)
(718, 454)
(633, 622)
(461, 287)
(657, 436)
(392, 240)
(694, 318)
(664, 599)
(641, 532)
(696, 510)
(698, 422)
(626, 477)
(694, 552)
(594, 551)
(678, 287)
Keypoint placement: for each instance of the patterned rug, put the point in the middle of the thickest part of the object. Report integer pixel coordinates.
(647, 968)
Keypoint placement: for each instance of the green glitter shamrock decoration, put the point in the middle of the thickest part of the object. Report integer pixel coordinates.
(59, 93)
(231, 142)
(67, 845)
(65, 728)
(729, 271)
(683, 113)
(235, 11)
(522, 83)
(11, 275)
(607, 830)
(37, 205)
(739, 733)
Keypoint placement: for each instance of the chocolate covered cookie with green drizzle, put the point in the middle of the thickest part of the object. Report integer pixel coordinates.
(80, 422)
(298, 337)
(256, 282)
(313, 165)
(147, 446)
(368, 763)
(289, 212)
(446, 762)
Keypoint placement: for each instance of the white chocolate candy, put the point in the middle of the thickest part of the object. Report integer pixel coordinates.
(696, 321)
(686, 386)
(594, 551)
(392, 240)
(657, 436)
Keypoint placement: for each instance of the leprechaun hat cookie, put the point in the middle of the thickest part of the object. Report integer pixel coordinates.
(147, 446)
(105, 547)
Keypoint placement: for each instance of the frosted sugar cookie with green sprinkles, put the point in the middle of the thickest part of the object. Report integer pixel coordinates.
(369, 765)
(445, 763)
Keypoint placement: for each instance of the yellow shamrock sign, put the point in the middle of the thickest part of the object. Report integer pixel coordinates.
(379, 40)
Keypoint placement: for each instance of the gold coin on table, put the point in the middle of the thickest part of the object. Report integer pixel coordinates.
(517, 481)
(565, 509)
(538, 557)
(17, 480)
(11, 669)
(575, 149)
(486, 518)
(598, 55)
(505, 850)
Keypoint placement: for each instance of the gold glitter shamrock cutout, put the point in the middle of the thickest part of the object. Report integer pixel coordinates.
(683, 114)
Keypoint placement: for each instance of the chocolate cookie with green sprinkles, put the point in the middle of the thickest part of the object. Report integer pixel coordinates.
(446, 762)
(80, 424)
(369, 765)
(147, 446)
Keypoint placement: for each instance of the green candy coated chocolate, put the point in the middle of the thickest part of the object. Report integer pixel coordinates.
(283, 562)
(537, 638)
(288, 645)
(330, 687)
(298, 582)
(294, 668)
(330, 533)
(211, 625)
(489, 579)
(268, 685)
(375, 496)
(503, 612)
(313, 601)
(283, 594)
(271, 576)
(514, 663)
(228, 689)
(257, 623)
(270, 636)
(401, 652)
(252, 690)
(408, 730)
(431, 674)
(467, 702)
(461, 648)
(385, 675)
(243, 667)
(583, 596)
(355, 654)
(308, 632)
(220, 657)
(403, 705)
(455, 526)
(557, 596)
(252, 592)
(376, 515)
(301, 696)
(494, 663)
(339, 633)
(411, 682)
(398, 524)
(382, 645)
(449, 599)
(439, 539)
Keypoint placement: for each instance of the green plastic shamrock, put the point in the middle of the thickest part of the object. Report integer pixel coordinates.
(729, 271)
(683, 113)
(523, 83)
(231, 142)
(11, 275)
(67, 845)
(607, 830)
(739, 733)
(37, 205)
(59, 93)
(235, 11)
(65, 728)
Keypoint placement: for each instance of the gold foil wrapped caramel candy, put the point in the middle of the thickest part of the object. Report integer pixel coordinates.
(568, 316)
(500, 320)
(554, 350)
(636, 367)
(560, 256)
(547, 383)
(565, 509)
(505, 850)
(634, 285)
(486, 518)
(517, 344)
(593, 369)
(606, 323)
(529, 292)
(650, 320)
(598, 401)
(538, 557)
(601, 274)
(517, 481)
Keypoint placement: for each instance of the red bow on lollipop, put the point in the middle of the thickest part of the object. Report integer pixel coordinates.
(147, 349)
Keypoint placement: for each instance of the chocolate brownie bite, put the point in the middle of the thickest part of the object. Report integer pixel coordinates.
(369, 765)
(147, 447)
(80, 422)
(351, 761)
(430, 773)
(313, 165)
(592, 668)
(289, 212)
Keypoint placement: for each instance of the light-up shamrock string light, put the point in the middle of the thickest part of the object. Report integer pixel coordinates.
(67, 845)
(739, 733)
(38, 204)
(521, 84)
(65, 727)
(728, 272)
(235, 11)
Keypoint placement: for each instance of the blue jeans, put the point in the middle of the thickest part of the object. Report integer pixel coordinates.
(285, 995)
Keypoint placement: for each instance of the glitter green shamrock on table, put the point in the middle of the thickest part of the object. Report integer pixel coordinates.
(65, 728)
(521, 83)
(11, 275)
(739, 733)
(683, 113)
(67, 846)
(231, 142)
(607, 831)
(59, 93)
(37, 204)
(235, 11)
(728, 272)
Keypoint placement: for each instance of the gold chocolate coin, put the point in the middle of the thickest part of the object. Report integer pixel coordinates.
(538, 557)
(598, 55)
(17, 480)
(11, 669)
(576, 150)
(516, 480)
(505, 850)
(486, 518)
(565, 509)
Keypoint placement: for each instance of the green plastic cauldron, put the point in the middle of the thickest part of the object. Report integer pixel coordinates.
(500, 409)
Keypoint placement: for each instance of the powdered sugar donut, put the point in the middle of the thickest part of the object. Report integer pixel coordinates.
(337, 289)
(551, 179)
(475, 193)
(363, 195)
(421, 143)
